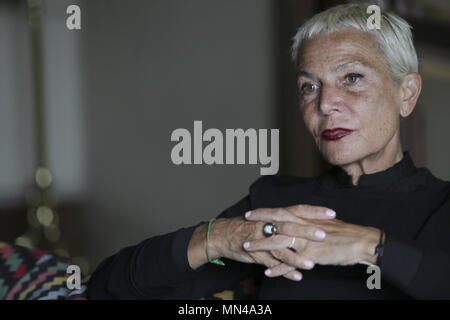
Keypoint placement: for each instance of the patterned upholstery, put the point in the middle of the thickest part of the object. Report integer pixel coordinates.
(32, 274)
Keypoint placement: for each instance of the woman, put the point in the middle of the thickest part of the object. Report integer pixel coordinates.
(374, 206)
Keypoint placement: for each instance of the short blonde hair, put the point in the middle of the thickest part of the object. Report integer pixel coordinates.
(394, 37)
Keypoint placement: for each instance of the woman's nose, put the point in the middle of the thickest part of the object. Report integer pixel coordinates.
(330, 100)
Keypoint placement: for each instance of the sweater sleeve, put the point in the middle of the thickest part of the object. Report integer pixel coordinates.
(421, 267)
(158, 268)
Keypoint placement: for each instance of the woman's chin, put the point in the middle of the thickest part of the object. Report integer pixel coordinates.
(340, 155)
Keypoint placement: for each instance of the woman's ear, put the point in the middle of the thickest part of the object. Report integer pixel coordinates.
(409, 93)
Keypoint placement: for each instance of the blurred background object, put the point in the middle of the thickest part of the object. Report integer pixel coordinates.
(86, 115)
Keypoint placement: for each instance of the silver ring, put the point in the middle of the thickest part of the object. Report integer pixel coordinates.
(292, 243)
(269, 229)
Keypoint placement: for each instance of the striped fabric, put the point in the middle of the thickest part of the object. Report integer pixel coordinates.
(32, 274)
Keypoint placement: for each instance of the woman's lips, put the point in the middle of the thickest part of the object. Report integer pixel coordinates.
(335, 133)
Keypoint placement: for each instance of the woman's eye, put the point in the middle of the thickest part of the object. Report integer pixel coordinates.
(309, 87)
(353, 77)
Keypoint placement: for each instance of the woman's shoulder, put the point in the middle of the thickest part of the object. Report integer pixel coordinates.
(421, 179)
(427, 180)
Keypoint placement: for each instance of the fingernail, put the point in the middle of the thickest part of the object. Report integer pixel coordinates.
(247, 245)
(297, 277)
(330, 213)
(309, 264)
(319, 234)
(268, 272)
(247, 214)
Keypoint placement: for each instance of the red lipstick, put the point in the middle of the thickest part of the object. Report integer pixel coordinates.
(335, 133)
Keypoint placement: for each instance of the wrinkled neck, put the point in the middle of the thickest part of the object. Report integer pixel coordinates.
(379, 161)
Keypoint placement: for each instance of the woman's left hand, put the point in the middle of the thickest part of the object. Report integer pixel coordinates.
(344, 243)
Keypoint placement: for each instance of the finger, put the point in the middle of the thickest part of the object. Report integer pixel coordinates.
(271, 215)
(276, 268)
(306, 211)
(267, 244)
(293, 259)
(284, 270)
(264, 258)
(280, 252)
(294, 275)
(292, 213)
(300, 231)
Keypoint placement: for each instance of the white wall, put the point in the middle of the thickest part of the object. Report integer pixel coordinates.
(16, 126)
(435, 71)
(63, 101)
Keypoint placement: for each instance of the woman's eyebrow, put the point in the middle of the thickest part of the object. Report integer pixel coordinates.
(348, 64)
(302, 73)
(339, 67)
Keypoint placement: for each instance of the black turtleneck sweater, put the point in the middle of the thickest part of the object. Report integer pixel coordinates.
(409, 204)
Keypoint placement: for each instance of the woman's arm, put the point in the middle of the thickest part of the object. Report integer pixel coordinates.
(159, 267)
(420, 267)
(174, 265)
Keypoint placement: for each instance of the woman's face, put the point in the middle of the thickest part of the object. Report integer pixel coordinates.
(348, 100)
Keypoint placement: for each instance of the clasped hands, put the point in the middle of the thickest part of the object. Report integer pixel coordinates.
(320, 238)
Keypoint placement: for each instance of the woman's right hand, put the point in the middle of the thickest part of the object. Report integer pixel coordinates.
(227, 235)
